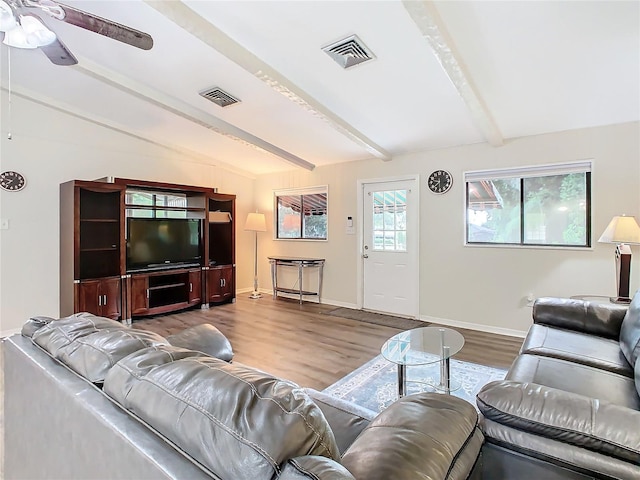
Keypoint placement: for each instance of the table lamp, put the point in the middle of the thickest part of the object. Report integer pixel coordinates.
(255, 223)
(623, 231)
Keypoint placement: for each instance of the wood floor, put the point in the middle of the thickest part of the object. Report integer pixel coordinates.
(305, 345)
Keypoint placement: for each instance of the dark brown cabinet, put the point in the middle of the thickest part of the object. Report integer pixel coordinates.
(220, 282)
(100, 297)
(221, 253)
(195, 287)
(98, 271)
(91, 253)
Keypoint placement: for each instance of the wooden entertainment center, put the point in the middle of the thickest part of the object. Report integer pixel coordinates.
(101, 274)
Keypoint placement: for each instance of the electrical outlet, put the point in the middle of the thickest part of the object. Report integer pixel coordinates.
(4, 224)
(530, 299)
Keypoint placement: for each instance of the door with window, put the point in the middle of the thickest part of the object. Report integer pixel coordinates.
(390, 247)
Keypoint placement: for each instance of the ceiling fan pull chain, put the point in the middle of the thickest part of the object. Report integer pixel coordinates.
(9, 136)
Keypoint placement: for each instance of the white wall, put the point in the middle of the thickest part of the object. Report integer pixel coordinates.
(486, 286)
(49, 148)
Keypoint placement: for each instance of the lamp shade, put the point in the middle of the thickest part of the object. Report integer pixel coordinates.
(256, 222)
(621, 229)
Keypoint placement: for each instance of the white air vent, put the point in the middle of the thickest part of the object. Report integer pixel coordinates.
(219, 97)
(349, 52)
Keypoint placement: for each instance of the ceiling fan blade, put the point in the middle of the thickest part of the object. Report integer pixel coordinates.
(105, 27)
(58, 53)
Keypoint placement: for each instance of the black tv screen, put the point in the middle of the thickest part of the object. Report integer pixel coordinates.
(158, 242)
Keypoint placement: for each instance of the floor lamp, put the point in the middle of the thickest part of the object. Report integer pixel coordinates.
(623, 231)
(255, 223)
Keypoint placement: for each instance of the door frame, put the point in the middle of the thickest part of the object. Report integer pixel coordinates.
(362, 183)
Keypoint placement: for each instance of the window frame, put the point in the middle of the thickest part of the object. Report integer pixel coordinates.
(521, 173)
(301, 191)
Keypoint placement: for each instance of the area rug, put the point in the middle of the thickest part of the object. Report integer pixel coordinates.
(375, 384)
(377, 318)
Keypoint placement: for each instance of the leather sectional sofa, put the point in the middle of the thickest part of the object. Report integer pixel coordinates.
(569, 407)
(86, 397)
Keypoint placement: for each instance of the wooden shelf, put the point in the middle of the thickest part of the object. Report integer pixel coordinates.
(169, 285)
(294, 291)
(100, 220)
(99, 249)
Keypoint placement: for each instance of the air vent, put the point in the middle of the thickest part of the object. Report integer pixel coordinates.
(349, 52)
(219, 97)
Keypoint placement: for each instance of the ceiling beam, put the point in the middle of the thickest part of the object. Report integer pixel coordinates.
(425, 15)
(184, 110)
(183, 16)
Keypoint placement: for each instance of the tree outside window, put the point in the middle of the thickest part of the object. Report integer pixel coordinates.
(302, 214)
(545, 209)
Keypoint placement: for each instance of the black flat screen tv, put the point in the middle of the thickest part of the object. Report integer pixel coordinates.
(163, 242)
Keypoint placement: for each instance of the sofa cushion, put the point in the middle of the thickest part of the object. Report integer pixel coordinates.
(433, 434)
(240, 423)
(204, 338)
(597, 352)
(630, 331)
(572, 377)
(596, 318)
(33, 324)
(576, 419)
(60, 333)
(91, 345)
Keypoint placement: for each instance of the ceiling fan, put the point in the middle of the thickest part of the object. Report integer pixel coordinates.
(21, 22)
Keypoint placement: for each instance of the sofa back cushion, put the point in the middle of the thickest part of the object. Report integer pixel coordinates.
(91, 345)
(240, 423)
(630, 331)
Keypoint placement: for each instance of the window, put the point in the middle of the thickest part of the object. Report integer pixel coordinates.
(302, 213)
(390, 220)
(544, 205)
(142, 203)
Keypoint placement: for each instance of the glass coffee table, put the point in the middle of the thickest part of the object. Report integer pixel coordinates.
(423, 346)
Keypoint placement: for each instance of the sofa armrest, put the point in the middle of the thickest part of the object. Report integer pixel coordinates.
(346, 419)
(315, 468)
(425, 435)
(575, 419)
(601, 319)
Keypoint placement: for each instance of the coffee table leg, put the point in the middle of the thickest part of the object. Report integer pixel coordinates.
(445, 370)
(402, 380)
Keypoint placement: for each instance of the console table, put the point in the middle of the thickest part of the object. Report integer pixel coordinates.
(300, 263)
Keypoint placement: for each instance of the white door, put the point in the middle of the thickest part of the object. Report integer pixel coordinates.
(390, 247)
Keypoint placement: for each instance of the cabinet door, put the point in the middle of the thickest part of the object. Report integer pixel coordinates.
(139, 294)
(220, 283)
(89, 297)
(195, 286)
(110, 298)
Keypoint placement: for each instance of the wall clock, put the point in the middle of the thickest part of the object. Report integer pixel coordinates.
(440, 181)
(12, 181)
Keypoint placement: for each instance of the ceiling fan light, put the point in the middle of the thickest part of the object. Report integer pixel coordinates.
(37, 32)
(18, 38)
(7, 20)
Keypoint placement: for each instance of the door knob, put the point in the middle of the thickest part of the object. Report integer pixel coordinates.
(364, 255)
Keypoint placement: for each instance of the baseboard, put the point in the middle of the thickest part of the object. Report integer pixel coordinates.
(474, 326)
(7, 333)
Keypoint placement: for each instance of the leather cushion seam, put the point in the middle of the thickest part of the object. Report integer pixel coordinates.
(565, 430)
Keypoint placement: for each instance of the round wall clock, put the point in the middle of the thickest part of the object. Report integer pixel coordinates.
(12, 181)
(440, 181)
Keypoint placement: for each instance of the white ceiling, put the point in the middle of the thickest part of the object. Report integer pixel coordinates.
(445, 74)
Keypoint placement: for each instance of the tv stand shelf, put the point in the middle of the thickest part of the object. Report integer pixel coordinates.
(165, 291)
